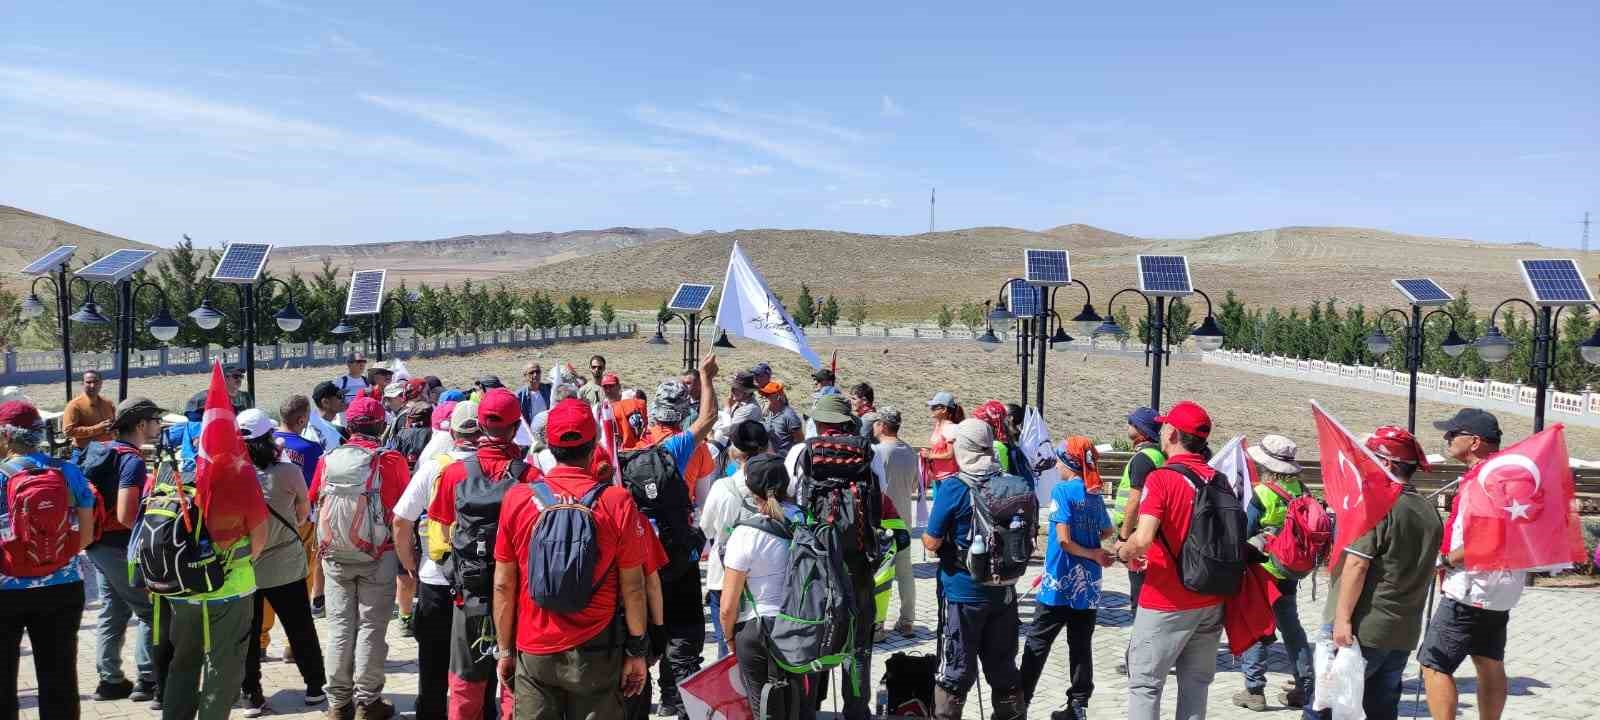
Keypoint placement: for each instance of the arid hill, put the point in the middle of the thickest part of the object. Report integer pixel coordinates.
(25, 236)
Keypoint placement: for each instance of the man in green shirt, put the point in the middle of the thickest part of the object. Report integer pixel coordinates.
(1384, 580)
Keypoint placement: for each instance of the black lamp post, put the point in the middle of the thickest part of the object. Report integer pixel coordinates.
(1034, 334)
(1379, 343)
(162, 326)
(691, 337)
(289, 319)
(32, 307)
(1495, 347)
(1207, 337)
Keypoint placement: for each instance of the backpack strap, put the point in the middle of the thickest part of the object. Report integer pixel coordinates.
(1279, 490)
(474, 468)
(1195, 482)
(517, 467)
(542, 497)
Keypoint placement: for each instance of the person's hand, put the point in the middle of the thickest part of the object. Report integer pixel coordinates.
(506, 667)
(1104, 557)
(633, 670)
(708, 366)
(1343, 634)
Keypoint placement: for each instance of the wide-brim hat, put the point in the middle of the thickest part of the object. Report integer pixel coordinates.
(1276, 453)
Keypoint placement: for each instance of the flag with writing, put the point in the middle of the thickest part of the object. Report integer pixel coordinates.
(225, 481)
(748, 309)
(716, 692)
(1232, 463)
(1357, 488)
(1517, 508)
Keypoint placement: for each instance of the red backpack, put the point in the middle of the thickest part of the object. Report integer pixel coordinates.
(1307, 532)
(40, 535)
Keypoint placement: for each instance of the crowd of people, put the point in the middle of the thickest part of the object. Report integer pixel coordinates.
(545, 546)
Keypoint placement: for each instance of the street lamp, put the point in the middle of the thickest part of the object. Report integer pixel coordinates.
(52, 269)
(687, 302)
(1034, 316)
(1207, 337)
(208, 317)
(161, 325)
(1495, 347)
(1379, 343)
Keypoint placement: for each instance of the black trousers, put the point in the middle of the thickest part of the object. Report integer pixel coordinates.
(857, 692)
(431, 621)
(293, 607)
(1048, 620)
(787, 698)
(50, 616)
(685, 622)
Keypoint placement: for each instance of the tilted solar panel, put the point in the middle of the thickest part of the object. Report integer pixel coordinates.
(1556, 282)
(1422, 291)
(1047, 267)
(690, 298)
(242, 263)
(119, 265)
(366, 292)
(1164, 275)
(52, 260)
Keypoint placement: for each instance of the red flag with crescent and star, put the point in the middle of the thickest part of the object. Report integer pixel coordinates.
(225, 481)
(1356, 487)
(1517, 508)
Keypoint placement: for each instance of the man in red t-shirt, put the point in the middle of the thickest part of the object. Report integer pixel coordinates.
(472, 686)
(1174, 626)
(360, 594)
(577, 665)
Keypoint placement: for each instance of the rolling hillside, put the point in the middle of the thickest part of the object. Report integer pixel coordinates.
(467, 256)
(24, 236)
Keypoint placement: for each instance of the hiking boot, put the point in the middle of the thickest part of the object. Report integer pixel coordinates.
(315, 696)
(113, 691)
(407, 629)
(906, 629)
(666, 711)
(379, 709)
(879, 635)
(254, 704)
(1250, 700)
(1073, 711)
(341, 712)
(144, 692)
(1296, 698)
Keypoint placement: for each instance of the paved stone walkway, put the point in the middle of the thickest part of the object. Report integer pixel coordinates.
(1553, 660)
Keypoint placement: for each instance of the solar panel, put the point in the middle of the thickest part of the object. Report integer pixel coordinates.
(1025, 299)
(1047, 267)
(366, 292)
(116, 267)
(241, 263)
(1422, 291)
(52, 260)
(1164, 275)
(1556, 282)
(690, 298)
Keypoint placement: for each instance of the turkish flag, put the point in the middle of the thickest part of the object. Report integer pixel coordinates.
(1517, 508)
(225, 481)
(716, 692)
(1357, 488)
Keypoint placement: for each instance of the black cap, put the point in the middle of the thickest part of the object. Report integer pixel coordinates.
(490, 381)
(1472, 421)
(233, 371)
(823, 375)
(137, 408)
(196, 406)
(765, 475)
(750, 437)
(745, 379)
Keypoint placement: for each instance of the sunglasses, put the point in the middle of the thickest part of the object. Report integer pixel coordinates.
(1453, 434)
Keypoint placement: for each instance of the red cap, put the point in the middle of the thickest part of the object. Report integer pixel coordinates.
(570, 424)
(1392, 442)
(20, 413)
(364, 411)
(415, 388)
(610, 379)
(440, 420)
(498, 410)
(1188, 417)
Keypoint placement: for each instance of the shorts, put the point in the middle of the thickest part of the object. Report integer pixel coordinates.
(1458, 631)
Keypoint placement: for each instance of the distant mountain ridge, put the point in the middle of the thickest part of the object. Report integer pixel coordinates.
(25, 236)
(467, 256)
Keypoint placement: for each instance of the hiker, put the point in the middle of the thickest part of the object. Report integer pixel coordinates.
(280, 568)
(680, 580)
(1472, 617)
(323, 425)
(563, 644)
(233, 375)
(378, 380)
(415, 431)
(394, 403)
(1144, 434)
(899, 463)
(353, 383)
(1069, 593)
(784, 426)
(756, 558)
(863, 406)
(88, 418)
(591, 392)
(468, 500)
(741, 406)
(1267, 512)
(42, 599)
(1006, 450)
(435, 607)
(691, 382)
(824, 382)
(631, 415)
(728, 502)
(978, 621)
(293, 447)
(118, 472)
(358, 562)
(837, 475)
(938, 457)
(1176, 627)
(761, 373)
(1379, 590)
(534, 396)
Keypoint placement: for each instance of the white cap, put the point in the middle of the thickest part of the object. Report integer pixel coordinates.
(253, 424)
(394, 390)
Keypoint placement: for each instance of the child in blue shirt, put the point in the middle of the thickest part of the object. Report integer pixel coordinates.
(1069, 591)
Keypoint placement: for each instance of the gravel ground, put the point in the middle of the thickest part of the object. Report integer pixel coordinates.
(1086, 394)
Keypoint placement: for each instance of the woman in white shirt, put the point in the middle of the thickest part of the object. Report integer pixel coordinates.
(728, 502)
(755, 564)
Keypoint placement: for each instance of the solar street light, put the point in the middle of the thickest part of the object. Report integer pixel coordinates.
(289, 318)
(1208, 336)
(988, 342)
(722, 341)
(686, 304)
(1087, 319)
(1453, 344)
(1378, 342)
(1420, 293)
(1110, 327)
(404, 329)
(658, 338)
(1493, 347)
(89, 314)
(1161, 280)
(32, 307)
(206, 316)
(1030, 301)
(1060, 341)
(1001, 313)
(344, 327)
(162, 325)
(52, 270)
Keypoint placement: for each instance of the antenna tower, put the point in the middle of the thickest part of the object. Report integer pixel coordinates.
(1585, 225)
(932, 193)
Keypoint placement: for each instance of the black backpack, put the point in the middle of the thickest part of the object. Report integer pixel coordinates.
(563, 572)
(410, 442)
(908, 685)
(841, 492)
(477, 522)
(1005, 523)
(1215, 553)
(651, 476)
(172, 547)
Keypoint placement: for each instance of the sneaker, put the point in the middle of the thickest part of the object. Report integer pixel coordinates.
(1250, 700)
(341, 712)
(144, 692)
(1073, 711)
(254, 704)
(1296, 698)
(379, 709)
(316, 697)
(407, 630)
(906, 629)
(113, 691)
(879, 635)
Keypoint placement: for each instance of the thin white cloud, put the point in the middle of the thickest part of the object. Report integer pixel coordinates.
(798, 119)
(881, 202)
(891, 109)
(792, 148)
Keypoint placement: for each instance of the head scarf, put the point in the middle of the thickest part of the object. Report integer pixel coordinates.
(993, 413)
(974, 448)
(1077, 453)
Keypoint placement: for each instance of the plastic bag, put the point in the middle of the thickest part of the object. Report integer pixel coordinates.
(1321, 660)
(1347, 679)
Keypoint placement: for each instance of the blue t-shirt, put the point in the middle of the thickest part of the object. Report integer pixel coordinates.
(951, 520)
(185, 438)
(82, 497)
(300, 451)
(681, 448)
(1070, 580)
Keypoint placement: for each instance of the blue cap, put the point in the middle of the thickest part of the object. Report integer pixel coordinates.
(942, 399)
(1143, 419)
(452, 395)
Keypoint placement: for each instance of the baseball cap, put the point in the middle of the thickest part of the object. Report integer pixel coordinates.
(831, 409)
(464, 418)
(1189, 417)
(765, 474)
(942, 398)
(610, 379)
(382, 369)
(440, 419)
(490, 381)
(744, 379)
(355, 357)
(253, 424)
(570, 424)
(760, 369)
(233, 371)
(772, 387)
(1472, 421)
(137, 408)
(20, 414)
(1392, 442)
(364, 411)
(394, 390)
(750, 436)
(498, 410)
(1144, 420)
(823, 375)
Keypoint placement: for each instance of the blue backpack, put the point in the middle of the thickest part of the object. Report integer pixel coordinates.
(564, 551)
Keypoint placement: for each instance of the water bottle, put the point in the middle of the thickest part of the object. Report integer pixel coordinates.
(883, 699)
(978, 558)
(7, 533)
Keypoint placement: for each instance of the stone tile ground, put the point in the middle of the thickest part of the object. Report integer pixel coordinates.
(1553, 659)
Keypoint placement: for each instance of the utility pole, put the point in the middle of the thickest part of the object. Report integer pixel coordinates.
(933, 192)
(1585, 225)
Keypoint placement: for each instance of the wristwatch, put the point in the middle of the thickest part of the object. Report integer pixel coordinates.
(503, 653)
(637, 646)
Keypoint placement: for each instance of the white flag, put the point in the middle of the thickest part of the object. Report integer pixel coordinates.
(1232, 463)
(748, 309)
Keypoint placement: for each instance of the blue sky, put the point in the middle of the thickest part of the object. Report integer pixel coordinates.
(292, 122)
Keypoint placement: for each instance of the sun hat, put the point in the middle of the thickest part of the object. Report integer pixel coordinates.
(831, 409)
(394, 390)
(744, 380)
(1275, 453)
(974, 447)
(253, 424)
(670, 403)
(1189, 417)
(1143, 419)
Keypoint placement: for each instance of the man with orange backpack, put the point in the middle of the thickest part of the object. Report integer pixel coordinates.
(47, 515)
